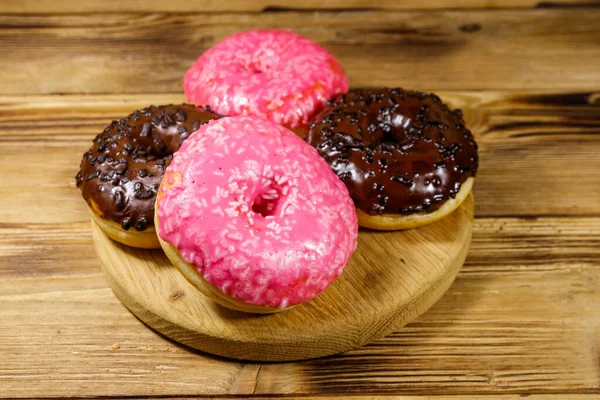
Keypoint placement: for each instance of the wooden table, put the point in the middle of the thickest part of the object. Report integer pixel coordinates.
(522, 318)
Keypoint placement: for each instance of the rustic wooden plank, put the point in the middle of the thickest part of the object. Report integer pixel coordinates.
(66, 336)
(417, 397)
(451, 397)
(66, 6)
(538, 151)
(395, 397)
(452, 50)
(553, 396)
(521, 318)
(513, 317)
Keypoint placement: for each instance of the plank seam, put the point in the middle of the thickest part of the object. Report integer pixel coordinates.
(592, 393)
(543, 5)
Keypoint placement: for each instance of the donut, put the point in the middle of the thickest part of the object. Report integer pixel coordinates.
(278, 75)
(119, 175)
(253, 217)
(406, 158)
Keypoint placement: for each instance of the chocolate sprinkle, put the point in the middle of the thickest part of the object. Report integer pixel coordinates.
(397, 151)
(119, 200)
(132, 155)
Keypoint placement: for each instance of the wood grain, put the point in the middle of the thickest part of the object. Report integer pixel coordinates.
(538, 151)
(521, 318)
(400, 397)
(391, 279)
(451, 50)
(194, 6)
(516, 318)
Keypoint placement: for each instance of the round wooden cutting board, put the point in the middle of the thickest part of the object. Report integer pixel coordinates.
(391, 279)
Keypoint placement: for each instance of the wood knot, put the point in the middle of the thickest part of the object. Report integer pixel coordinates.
(176, 296)
(470, 28)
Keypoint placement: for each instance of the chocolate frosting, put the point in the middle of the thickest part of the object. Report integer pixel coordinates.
(120, 174)
(397, 151)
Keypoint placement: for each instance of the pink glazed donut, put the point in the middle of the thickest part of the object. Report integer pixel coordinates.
(253, 217)
(278, 75)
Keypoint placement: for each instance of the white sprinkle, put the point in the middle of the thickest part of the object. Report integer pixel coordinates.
(232, 212)
(218, 211)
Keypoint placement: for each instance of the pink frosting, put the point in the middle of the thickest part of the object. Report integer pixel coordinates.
(278, 75)
(257, 212)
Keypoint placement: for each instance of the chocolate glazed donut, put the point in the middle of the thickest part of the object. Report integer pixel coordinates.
(399, 152)
(120, 174)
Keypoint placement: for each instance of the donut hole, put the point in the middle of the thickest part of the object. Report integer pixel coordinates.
(264, 207)
(393, 129)
(266, 202)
